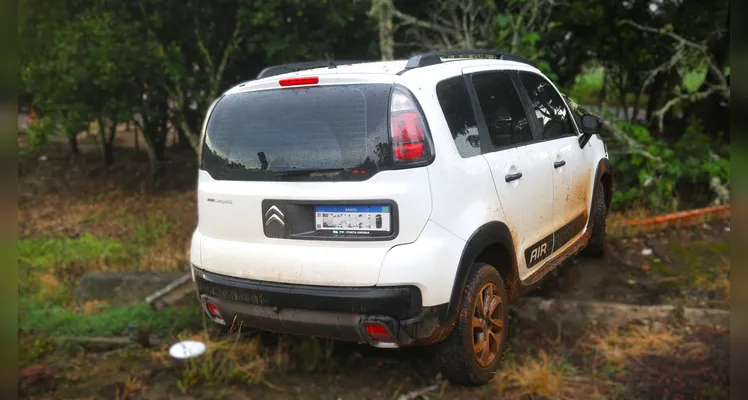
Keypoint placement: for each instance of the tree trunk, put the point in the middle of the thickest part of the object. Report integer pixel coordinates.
(154, 134)
(382, 11)
(73, 144)
(107, 152)
(157, 161)
(183, 142)
(654, 92)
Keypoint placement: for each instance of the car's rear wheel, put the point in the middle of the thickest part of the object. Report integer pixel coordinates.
(472, 352)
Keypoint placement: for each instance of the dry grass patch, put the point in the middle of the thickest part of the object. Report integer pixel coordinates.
(618, 347)
(131, 387)
(547, 378)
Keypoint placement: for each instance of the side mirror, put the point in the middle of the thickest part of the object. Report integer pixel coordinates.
(590, 125)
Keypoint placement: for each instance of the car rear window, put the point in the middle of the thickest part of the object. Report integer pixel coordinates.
(335, 132)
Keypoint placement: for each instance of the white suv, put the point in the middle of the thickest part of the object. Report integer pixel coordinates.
(395, 203)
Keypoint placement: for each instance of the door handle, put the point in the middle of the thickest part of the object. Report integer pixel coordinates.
(513, 177)
(559, 164)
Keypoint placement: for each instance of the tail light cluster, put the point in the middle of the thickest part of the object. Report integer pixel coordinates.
(379, 335)
(410, 140)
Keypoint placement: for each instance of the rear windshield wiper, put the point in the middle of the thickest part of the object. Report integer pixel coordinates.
(301, 171)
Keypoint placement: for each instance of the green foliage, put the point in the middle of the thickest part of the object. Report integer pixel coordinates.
(32, 348)
(53, 320)
(39, 132)
(693, 79)
(587, 86)
(520, 34)
(63, 253)
(148, 232)
(654, 181)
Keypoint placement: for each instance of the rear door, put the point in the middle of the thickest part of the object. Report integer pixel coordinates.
(519, 165)
(297, 184)
(571, 171)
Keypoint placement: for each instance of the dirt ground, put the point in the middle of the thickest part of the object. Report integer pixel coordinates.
(696, 368)
(687, 266)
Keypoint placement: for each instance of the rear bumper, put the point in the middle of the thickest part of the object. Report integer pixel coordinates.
(324, 311)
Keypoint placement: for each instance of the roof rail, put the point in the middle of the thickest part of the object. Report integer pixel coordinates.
(287, 68)
(432, 58)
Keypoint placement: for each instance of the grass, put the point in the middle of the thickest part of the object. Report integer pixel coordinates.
(66, 259)
(700, 264)
(109, 321)
(131, 387)
(546, 377)
(104, 227)
(618, 347)
(228, 360)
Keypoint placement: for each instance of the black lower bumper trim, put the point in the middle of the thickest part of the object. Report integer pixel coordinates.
(331, 312)
(400, 302)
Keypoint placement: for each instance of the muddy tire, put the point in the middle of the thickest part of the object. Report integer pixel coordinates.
(596, 245)
(472, 352)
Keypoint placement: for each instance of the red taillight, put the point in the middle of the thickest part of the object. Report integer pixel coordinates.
(407, 130)
(408, 136)
(307, 80)
(213, 310)
(379, 333)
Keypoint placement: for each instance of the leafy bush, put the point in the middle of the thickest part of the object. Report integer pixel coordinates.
(662, 175)
(39, 132)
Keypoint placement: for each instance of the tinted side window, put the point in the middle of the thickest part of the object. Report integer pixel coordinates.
(550, 109)
(502, 109)
(455, 103)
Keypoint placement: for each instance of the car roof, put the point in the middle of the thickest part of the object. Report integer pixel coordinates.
(383, 69)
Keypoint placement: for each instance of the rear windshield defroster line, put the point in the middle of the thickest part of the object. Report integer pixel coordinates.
(335, 132)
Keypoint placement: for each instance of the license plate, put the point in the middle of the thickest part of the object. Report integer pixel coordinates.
(353, 219)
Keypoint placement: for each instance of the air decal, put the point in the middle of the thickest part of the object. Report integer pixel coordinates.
(551, 243)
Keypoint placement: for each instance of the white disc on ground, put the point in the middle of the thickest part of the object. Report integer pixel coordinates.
(187, 349)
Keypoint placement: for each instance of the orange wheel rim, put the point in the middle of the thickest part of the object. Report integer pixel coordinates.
(487, 324)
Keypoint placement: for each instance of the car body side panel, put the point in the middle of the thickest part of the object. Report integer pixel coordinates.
(462, 189)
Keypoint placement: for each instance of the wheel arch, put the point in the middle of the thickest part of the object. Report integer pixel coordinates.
(493, 244)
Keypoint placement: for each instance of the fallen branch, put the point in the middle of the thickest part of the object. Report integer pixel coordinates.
(171, 293)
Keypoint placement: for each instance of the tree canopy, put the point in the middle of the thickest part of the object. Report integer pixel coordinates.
(157, 65)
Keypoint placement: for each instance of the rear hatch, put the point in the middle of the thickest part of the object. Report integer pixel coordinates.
(312, 180)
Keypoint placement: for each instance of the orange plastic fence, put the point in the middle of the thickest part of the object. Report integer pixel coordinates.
(679, 219)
